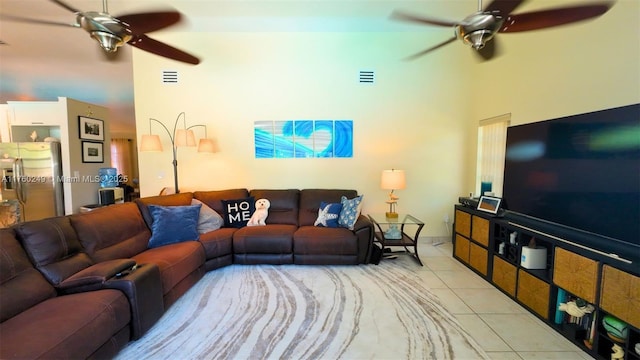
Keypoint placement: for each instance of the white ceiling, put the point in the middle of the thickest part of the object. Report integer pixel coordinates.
(43, 62)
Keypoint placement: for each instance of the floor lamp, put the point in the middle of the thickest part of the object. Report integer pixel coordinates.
(179, 137)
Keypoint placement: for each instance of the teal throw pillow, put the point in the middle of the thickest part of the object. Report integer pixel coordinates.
(238, 212)
(328, 214)
(350, 211)
(173, 224)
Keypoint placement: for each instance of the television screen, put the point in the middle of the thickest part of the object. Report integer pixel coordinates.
(581, 171)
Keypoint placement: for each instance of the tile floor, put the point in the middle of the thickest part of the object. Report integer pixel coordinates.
(504, 329)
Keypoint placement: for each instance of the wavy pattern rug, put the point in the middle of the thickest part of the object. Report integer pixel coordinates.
(308, 312)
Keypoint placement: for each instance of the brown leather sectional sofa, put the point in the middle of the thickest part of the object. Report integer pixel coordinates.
(82, 286)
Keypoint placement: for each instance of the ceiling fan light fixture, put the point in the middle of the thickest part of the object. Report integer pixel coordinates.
(109, 42)
(477, 39)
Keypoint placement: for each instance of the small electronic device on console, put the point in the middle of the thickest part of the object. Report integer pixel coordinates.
(468, 201)
(489, 204)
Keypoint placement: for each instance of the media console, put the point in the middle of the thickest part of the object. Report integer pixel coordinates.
(609, 281)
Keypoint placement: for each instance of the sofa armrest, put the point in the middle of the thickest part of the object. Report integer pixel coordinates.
(93, 277)
(363, 228)
(363, 223)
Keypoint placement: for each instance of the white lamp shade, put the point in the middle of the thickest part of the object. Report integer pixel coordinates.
(207, 145)
(150, 143)
(185, 138)
(392, 180)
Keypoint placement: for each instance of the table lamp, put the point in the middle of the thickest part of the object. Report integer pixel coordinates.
(392, 180)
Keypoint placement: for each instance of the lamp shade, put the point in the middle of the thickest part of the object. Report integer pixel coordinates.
(185, 138)
(150, 143)
(207, 145)
(392, 180)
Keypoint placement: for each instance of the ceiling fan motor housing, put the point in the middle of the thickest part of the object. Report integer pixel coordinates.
(107, 30)
(478, 28)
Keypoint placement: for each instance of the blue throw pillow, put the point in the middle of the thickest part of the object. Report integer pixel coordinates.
(173, 224)
(350, 211)
(328, 214)
(238, 212)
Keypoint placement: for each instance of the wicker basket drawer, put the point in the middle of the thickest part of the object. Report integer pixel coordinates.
(478, 258)
(534, 293)
(504, 275)
(463, 223)
(480, 230)
(620, 295)
(576, 274)
(462, 248)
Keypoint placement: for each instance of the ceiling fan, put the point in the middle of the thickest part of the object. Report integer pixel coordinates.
(113, 32)
(478, 29)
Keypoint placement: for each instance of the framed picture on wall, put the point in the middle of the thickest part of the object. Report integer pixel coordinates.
(92, 152)
(91, 129)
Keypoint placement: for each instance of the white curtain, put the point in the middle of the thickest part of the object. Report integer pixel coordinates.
(492, 138)
(121, 157)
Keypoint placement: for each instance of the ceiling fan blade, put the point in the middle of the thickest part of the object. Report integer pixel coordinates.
(504, 7)
(148, 22)
(423, 52)
(143, 42)
(35, 21)
(67, 6)
(422, 19)
(552, 17)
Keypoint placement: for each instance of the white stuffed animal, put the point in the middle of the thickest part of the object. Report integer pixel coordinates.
(260, 215)
(571, 308)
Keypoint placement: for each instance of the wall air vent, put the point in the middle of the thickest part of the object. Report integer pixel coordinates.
(169, 77)
(366, 76)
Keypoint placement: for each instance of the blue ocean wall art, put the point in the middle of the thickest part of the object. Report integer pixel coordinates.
(303, 139)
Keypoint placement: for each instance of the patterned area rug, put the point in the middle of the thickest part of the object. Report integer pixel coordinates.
(308, 312)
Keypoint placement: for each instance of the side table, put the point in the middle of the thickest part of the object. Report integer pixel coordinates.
(405, 240)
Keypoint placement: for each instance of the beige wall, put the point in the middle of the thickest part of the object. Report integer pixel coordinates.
(84, 192)
(420, 116)
(562, 71)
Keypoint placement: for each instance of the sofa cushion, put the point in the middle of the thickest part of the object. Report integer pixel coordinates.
(324, 241)
(237, 212)
(53, 247)
(21, 285)
(180, 199)
(112, 232)
(350, 211)
(284, 205)
(310, 200)
(175, 261)
(209, 219)
(328, 215)
(218, 243)
(269, 239)
(66, 327)
(173, 224)
(213, 199)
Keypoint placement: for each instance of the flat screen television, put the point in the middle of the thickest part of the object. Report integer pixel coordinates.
(581, 172)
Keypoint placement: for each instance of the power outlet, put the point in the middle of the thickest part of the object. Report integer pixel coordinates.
(446, 218)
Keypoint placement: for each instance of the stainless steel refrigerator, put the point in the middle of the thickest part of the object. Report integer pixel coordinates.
(32, 184)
